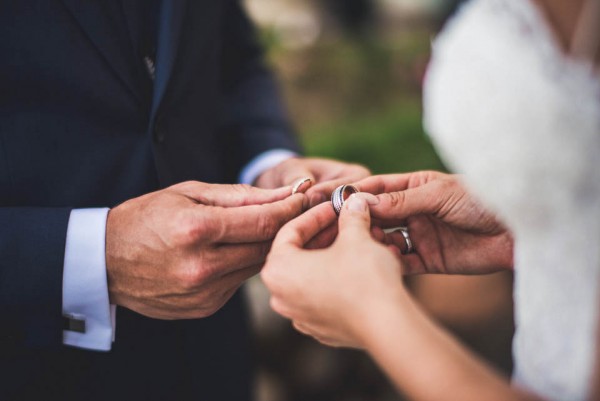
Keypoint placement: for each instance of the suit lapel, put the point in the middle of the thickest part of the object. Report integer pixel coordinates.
(105, 28)
(169, 33)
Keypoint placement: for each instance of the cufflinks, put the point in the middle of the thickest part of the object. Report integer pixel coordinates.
(72, 322)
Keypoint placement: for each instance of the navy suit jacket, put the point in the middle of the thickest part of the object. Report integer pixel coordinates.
(81, 126)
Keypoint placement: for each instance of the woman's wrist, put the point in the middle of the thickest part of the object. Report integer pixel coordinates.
(374, 315)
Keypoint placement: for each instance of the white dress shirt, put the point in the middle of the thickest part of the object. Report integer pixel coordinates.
(85, 288)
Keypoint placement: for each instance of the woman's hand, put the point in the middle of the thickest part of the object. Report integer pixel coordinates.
(325, 176)
(450, 231)
(331, 293)
(351, 294)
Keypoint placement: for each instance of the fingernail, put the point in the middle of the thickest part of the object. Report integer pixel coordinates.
(370, 198)
(356, 203)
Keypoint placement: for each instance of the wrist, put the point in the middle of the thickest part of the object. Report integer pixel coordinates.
(376, 316)
(111, 258)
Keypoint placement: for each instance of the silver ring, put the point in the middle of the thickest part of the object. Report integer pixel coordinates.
(339, 196)
(299, 183)
(409, 245)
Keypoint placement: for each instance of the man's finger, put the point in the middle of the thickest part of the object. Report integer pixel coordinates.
(247, 224)
(234, 279)
(228, 258)
(293, 176)
(231, 195)
(301, 230)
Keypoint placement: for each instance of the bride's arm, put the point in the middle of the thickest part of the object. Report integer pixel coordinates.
(427, 363)
(351, 294)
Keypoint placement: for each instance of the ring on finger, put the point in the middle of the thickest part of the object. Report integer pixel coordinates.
(299, 183)
(339, 196)
(409, 244)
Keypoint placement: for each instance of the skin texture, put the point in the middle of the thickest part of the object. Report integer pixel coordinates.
(351, 294)
(326, 175)
(182, 252)
(562, 16)
(362, 258)
(450, 230)
(345, 289)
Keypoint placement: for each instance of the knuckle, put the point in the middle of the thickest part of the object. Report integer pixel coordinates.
(184, 231)
(243, 189)
(243, 192)
(187, 186)
(192, 275)
(266, 226)
(395, 199)
(276, 304)
(216, 231)
(191, 228)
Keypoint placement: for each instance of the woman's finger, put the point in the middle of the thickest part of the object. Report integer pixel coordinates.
(302, 229)
(355, 219)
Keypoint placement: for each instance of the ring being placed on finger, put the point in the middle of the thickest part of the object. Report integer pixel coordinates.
(339, 196)
(299, 183)
(409, 244)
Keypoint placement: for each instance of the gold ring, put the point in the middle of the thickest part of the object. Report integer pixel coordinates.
(299, 183)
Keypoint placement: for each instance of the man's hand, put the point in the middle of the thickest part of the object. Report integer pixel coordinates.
(182, 252)
(325, 174)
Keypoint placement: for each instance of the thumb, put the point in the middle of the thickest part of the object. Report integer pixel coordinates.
(355, 220)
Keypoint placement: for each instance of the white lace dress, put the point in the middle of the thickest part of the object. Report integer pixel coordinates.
(522, 122)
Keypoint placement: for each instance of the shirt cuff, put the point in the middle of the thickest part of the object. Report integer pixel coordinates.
(262, 163)
(85, 287)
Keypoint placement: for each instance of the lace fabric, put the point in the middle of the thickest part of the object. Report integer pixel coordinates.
(506, 107)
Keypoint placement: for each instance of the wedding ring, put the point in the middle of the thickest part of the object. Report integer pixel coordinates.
(299, 183)
(339, 196)
(407, 240)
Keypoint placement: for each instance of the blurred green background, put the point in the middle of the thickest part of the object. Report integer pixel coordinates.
(360, 100)
(352, 72)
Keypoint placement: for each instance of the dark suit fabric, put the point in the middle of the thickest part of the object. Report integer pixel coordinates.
(81, 125)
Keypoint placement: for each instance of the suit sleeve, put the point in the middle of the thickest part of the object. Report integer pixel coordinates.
(254, 114)
(32, 246)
